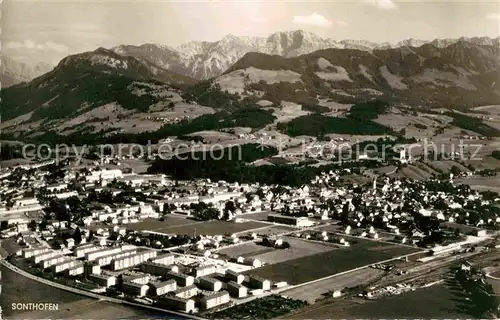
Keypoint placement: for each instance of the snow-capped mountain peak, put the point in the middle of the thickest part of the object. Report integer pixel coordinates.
(203, 59)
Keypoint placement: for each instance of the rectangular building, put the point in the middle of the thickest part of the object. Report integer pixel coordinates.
(103, 280)
(214, 300)
(80, 251)
(183, 280)
(135, 289)
(45, 255)
(53, 260)
(165, 287)
(259, 283)
(232, 275)
(167, 259)
(133, 260)
(294, 221)
(156, 269)
(106, 260)
(186, 292)
(177, 303)
(62, 266)
(237, 290)
(204, 270)
(76, 270)
(209, 283)
(28, 253)
(93, 268)
(94, 255)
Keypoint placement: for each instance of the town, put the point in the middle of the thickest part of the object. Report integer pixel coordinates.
(210, 247)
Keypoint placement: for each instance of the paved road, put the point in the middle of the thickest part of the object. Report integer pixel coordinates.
(93, 295)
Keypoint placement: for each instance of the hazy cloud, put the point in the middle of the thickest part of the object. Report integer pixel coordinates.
(383, 4)
(314, 19)
(493, 16)
(32, 45)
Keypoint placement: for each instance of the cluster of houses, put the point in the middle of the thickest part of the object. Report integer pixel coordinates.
(135, 272)
(390, 206)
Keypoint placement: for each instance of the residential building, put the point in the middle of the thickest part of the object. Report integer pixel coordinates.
(166, 259)
(237, 290)
(62, 266)
(294, 221)
(204, 270)
(183, 280)
(164, 287)
(135, 289)
(214, 300)
(53, 260)
(209, 283)
(103, 280)
(133, 260)
(186, 292)
(177, 303)
(259, 283)
(76, 270)
(156, 268)
(28, 253)
(234, 276)
(91, 256)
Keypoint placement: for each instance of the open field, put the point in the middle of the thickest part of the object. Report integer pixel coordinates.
(415, 173)
(298, 249)
(327, 263)
(482, 183)
(93, 309)
(152, 224)
(484, 163)
(190, 227)
(245, 250)
(438, 301)
(425, 167)
(493, 109)
(365, 242)
(18, 289)
(312, 292)
(261, 216)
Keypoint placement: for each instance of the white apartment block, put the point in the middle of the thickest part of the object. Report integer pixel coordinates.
(165, 287)
(209, 283)
(134, 260)
(106, 260)
(91, 256)
(237, 290)
(46, 255)
(214, 300)
(80, 251)
(28, 253)
(53, 260)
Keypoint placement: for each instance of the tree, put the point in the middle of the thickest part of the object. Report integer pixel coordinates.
(32, 225)
(77, 236)
(4, 225)
(229, 207)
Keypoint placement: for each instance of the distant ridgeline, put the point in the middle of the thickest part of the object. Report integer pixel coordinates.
(359, 121)
(231, 164)
(245, 117)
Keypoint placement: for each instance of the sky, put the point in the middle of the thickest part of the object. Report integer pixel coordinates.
(50, 30)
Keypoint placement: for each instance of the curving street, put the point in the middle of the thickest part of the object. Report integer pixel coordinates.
(93, 295)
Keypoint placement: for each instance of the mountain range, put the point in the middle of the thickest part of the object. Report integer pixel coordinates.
(14, 71)
(117, 85)
(203, 60)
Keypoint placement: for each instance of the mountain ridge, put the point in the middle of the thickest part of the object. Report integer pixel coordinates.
(204, 60)
(14, 71)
